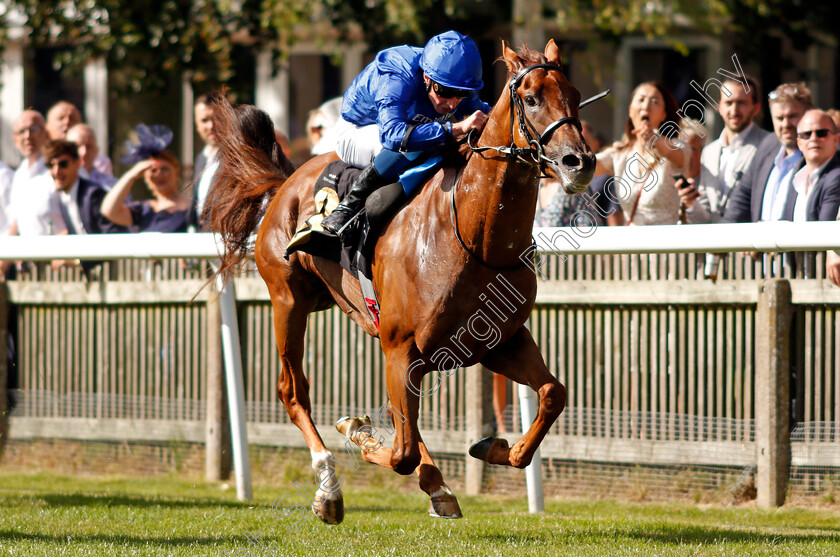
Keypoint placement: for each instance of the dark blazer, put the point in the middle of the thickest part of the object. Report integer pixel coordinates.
(90, 209)
(823, 204)
(89, 202)
(198, 167)
(747, 196)
(824, 200)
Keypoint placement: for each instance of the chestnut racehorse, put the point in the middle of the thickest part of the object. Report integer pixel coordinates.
(431, 267)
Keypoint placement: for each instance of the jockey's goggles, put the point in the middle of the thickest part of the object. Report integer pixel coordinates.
(448, 92)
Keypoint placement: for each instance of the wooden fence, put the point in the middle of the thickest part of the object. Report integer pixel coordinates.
(661, 368)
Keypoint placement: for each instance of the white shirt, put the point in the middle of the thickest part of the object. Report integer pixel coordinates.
(206, 179)
(70, 200)
(6, 177)
(729, 153)
(34, 203)
(35, 207)
(803, 184)
(778, 185)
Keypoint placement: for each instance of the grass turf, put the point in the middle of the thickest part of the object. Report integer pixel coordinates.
(50, 514)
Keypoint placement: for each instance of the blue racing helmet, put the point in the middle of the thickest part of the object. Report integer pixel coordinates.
(452, 59)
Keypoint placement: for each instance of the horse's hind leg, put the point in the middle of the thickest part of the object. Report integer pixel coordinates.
(519, 359)
(293, 390)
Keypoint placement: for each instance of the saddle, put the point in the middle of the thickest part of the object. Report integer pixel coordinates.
(356, 256)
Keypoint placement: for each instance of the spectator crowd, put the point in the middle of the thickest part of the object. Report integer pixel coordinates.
(65, 185)
(747, 174)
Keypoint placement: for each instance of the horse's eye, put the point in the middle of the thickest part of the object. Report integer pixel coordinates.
(530, 101)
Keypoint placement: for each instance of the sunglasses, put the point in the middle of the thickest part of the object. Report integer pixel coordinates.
(448, 92)
(821, 133)
(785, 91)
(63, 163)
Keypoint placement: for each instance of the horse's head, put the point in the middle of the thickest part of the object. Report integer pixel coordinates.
(544, 116)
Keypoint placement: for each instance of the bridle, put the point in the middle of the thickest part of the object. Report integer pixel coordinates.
(535, 150)
(534, 153)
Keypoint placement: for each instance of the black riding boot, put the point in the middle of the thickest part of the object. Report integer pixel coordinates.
(364, 184)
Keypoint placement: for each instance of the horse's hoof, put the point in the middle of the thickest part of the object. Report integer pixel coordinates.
(330, 511)
(445, 505)
(481, 448)
(347, 426)
(492, 450)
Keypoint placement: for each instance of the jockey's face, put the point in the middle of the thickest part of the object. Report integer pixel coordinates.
(442, 105)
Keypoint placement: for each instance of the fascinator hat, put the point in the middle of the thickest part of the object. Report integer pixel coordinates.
(151, 141)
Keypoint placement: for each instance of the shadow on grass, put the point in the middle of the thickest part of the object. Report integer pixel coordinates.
(678, 536)
(706, 536)
(118, 540)
(141, 501)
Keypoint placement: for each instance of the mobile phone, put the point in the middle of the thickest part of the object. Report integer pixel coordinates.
(678, 177)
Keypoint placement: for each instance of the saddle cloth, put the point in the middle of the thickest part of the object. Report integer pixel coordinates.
(311, 238)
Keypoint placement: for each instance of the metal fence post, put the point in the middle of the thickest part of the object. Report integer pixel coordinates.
(772, 399)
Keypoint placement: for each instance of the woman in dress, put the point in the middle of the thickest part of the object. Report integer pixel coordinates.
(646, 159)
(168, 208)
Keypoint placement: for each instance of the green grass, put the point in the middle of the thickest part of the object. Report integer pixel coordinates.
(49, 514)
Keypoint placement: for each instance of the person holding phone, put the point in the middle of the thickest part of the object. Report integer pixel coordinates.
(725, 161)
(644, 162)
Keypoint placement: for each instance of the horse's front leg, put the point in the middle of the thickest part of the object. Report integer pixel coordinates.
(519, 359)
(443, 503)
(409, 452)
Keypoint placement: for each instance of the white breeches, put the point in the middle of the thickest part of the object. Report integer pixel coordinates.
(356, 145)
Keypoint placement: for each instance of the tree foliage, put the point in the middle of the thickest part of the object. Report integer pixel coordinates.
(151, 38)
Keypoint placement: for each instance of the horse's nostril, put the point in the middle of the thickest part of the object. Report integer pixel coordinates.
(571, 161)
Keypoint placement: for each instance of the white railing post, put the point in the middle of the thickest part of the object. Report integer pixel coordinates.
(533, 472)
(236, 391)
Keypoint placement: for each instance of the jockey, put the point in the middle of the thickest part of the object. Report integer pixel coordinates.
(407, 103)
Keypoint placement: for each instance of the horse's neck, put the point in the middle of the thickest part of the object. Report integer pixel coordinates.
(496, 198)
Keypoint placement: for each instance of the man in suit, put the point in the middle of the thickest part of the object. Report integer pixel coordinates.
(815, 191)
(205, 163)
(816, 187)
(762, 192)
(80, 200)
(725, 160)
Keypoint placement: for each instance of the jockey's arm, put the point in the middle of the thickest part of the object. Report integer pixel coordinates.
(393, 119)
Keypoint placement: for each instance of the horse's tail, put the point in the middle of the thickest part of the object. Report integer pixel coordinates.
(252, 167)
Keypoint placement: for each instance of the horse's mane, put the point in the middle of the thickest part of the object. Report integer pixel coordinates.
(528, 56)
(252, 167)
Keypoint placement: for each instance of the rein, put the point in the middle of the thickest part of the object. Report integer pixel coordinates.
(536, 141)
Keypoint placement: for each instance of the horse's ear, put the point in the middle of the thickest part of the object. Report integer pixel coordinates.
(513, 61)
(552, 53)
